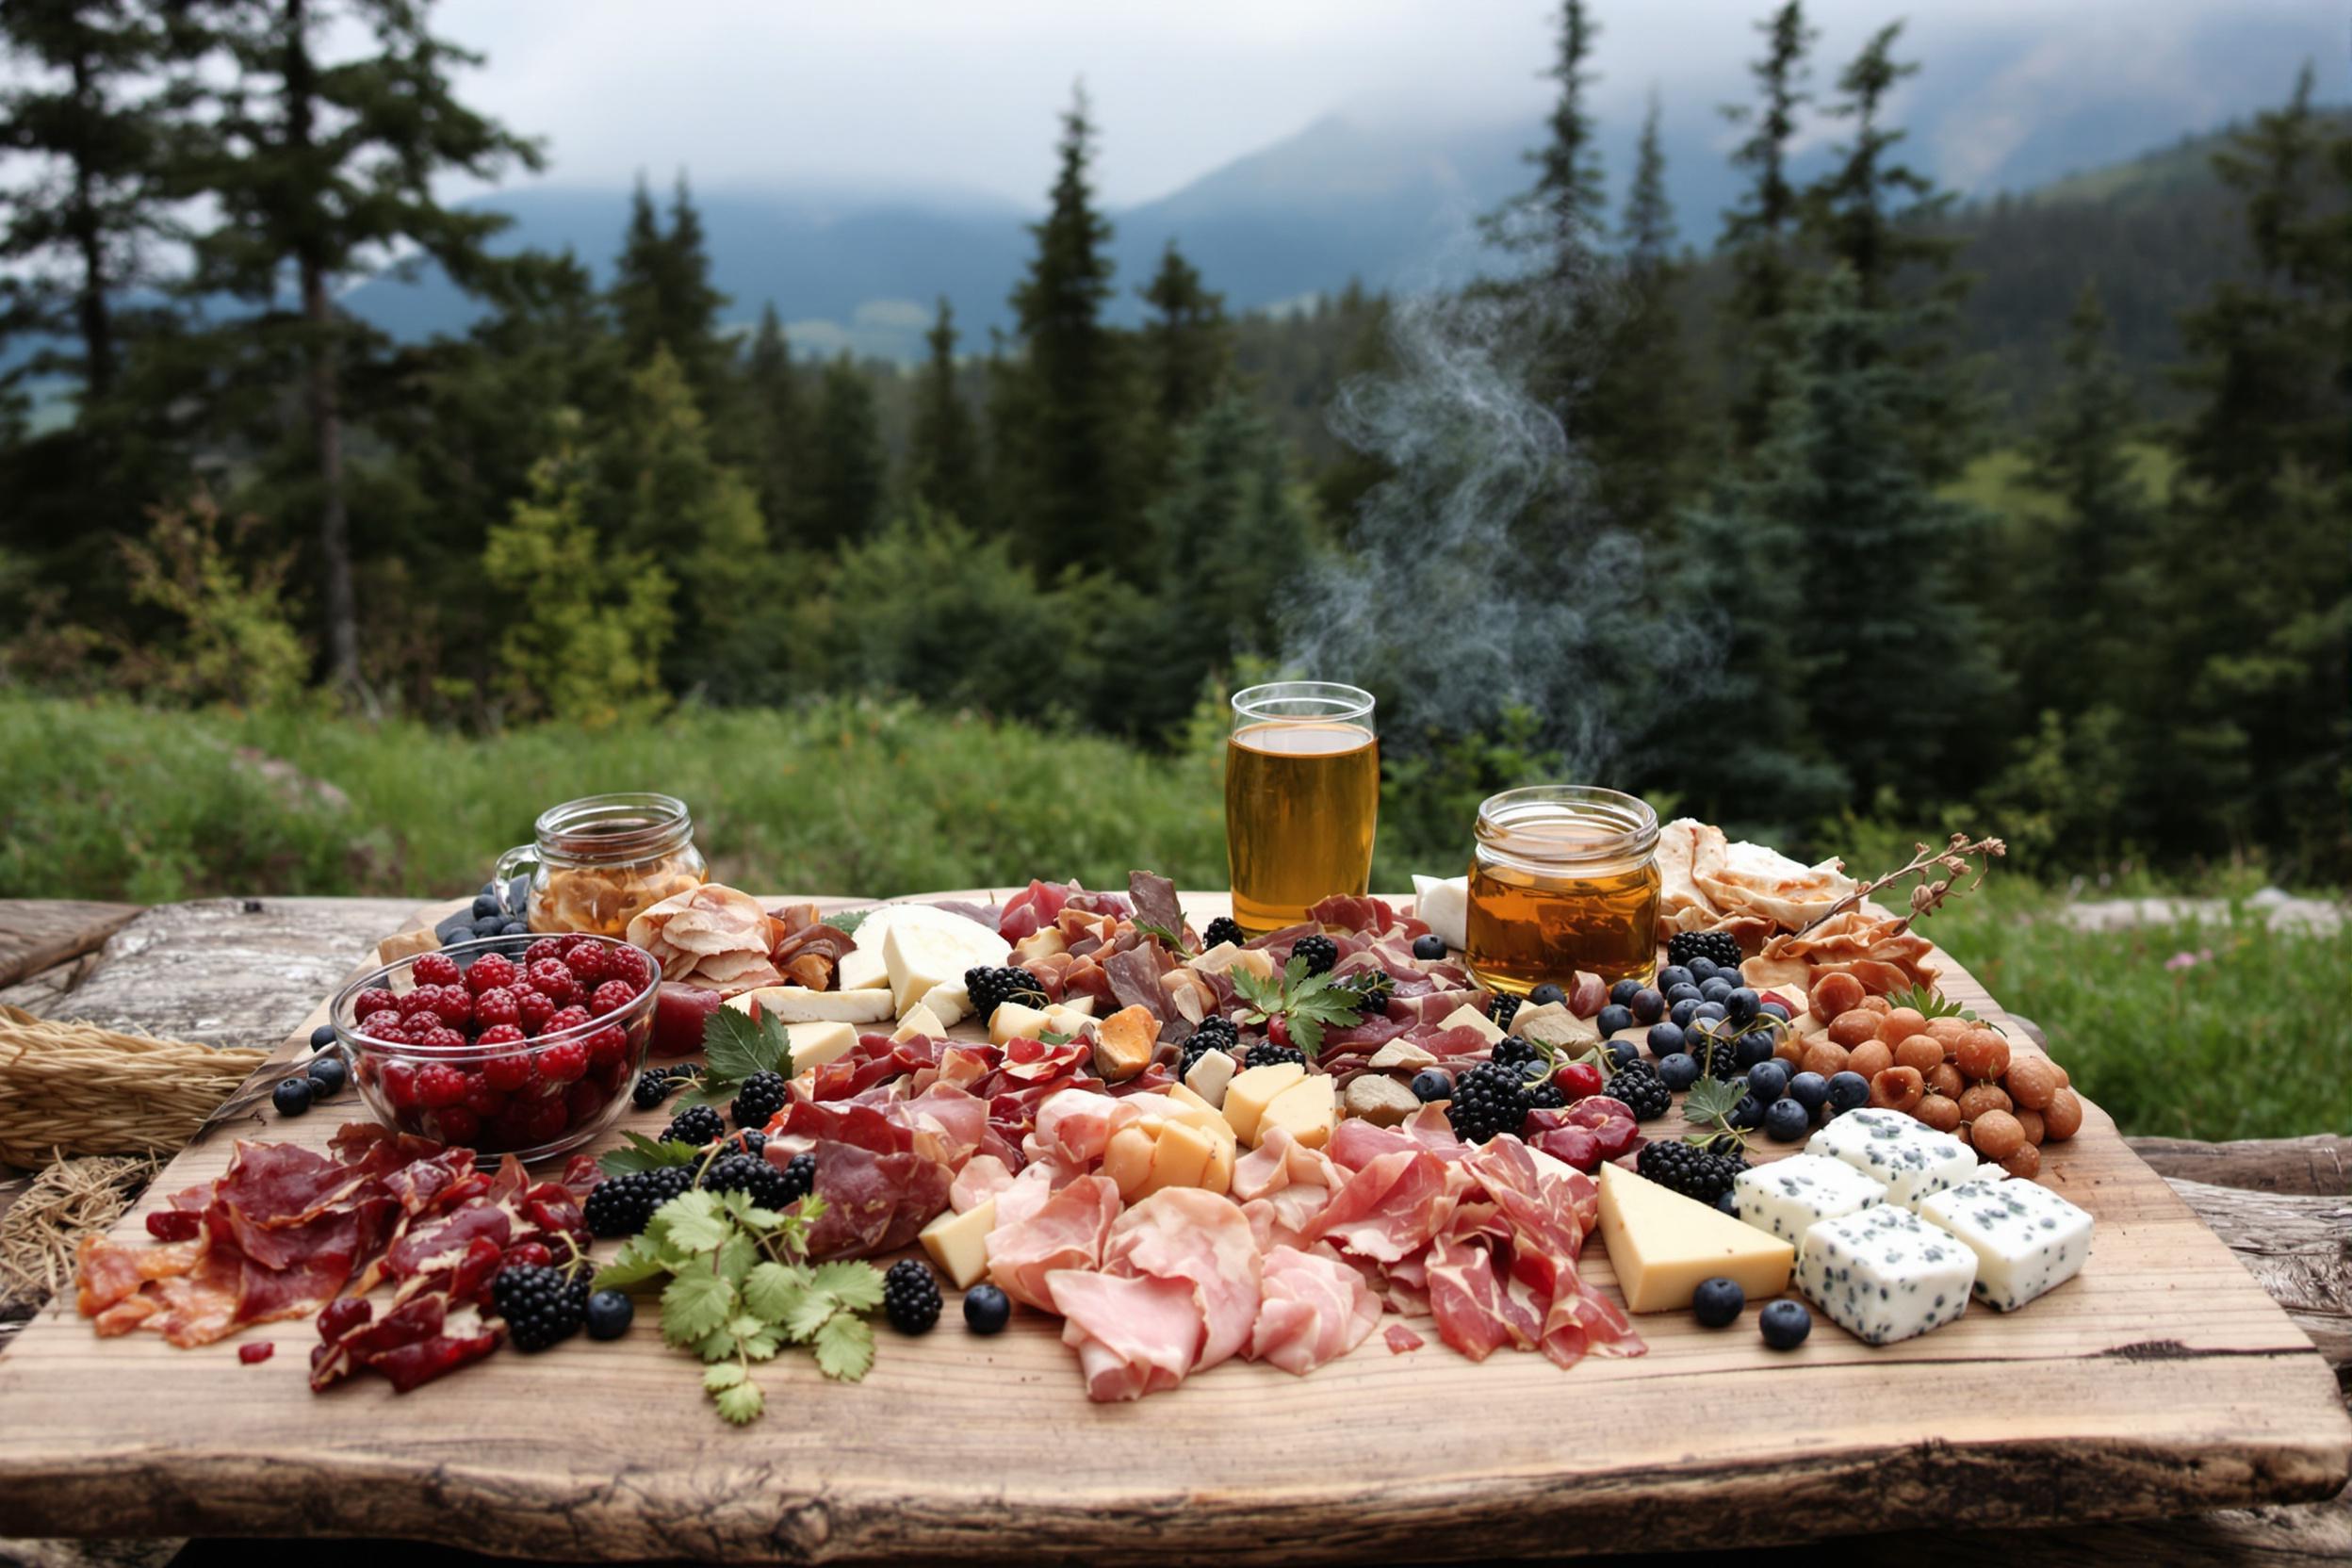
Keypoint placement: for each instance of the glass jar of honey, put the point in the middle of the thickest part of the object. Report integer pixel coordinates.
(597, 862)
(1563, 878)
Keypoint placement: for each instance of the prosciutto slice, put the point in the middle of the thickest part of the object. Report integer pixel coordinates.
(1066, 1232)
(1184, 1234)
(1314, 1309)
(1134, 1334)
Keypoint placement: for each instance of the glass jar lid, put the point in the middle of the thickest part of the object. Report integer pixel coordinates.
(612, 830)
(1566, 828)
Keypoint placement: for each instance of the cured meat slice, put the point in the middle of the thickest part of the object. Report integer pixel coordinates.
(712, 935)
(1033, 908)
(1133, 1335)
(982, 1177)
(1066, 1232)
(1154, 900)
(1135, 977)
(1315, 1309)
(1184, 1233)
(873, 1202)
(1390, 1209)
(1401, 1340)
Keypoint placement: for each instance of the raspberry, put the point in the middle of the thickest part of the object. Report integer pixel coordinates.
(453, 1005)
(492, 972)
(399, 1084)
(570, 1018)
(586, 961)
(628, 965)
(455, 1124)
(586, 1100)
(375, 999)
(496, 1006)
(562, 1064)
(506, 1073)
(438, 1084)
(551, 979)
(482, 1097)
(382, 1022)
(547, 1121)
(502, 1034)
(545, 949)
(611, 997)
(437, 968)
(608, 1045)
(441, 1037)
(536, 1010)
(418, 1000)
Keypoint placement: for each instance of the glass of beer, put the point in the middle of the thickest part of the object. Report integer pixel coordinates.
(1302, 794)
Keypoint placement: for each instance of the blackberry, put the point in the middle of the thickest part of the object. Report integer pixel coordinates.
(1371, 989)
(1511, 1051)
(1716, 1050)
(1222, 929)
(621, 1205)
(752, 1142)
(991, 988)
(1502, 1007)
(1638, 1085)
(1266, 1054)
(696, 1124)
(911, 1297)
(1216, 1031)
(762, 1096)
(1489, 1099)
(1694, 1170)
(542, 1307)
(1547, 1096)
(653, 1087)
(1319, 954)
(749, 1173)
(1720, 947)
(800, 1179)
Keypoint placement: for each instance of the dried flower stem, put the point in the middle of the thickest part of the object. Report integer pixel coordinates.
(1955, 859)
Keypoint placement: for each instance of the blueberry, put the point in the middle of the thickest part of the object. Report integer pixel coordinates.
(1428, 948)
(488, 904)
(292, 1095)
(1665, 1039)
(322, 1037)
(518, 893)
(1648, 1004)
(1809, 1089)
(1717, 990)
(489, 925)
(1671, 976)
(1684, 992)
(1677, 1070)
(1784, 1324)
(1768, 1081)
(1701, 971)
(1749, 1050)
(513, 928)
(1727, 1201)
(1774, 1009)
(1718, 1302)
(1614, 1019)
(1428, 1083)
(1849, 1091)
(1683, 1014)
(1623, 1052)
(987, 1310)
(327, 1075)
(456, 928)
(610, 1313)
(488, 889)
(1714, 1012)
(1786, 1122)
(1748, 1113)
(1743, 1003)
(1545, 995)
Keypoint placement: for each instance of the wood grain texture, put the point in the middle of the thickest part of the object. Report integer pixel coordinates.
(2164, 1381)
(2315, 1166)
(36, 933)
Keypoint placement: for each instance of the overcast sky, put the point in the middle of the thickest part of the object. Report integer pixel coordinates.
(959, 94)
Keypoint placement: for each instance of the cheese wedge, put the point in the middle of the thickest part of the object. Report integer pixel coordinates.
(1467, 1017)
(1063, 1019)
(885, 918)
(1124, 1042)
(1080, 1005)
(1250, 1093)
(1307, 1110)
(1663, 1245)
(958, 1243)
(1016, 1021)
(1209, 1076)
(861, 970)
(950, 1004)
(815, 1044)
(1181, 1157)
(923, 1023)
(918, 956)
(799, 1004)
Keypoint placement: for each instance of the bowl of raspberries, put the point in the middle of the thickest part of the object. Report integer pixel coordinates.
(503, 1045)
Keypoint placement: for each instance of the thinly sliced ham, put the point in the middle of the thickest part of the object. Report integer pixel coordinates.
(1390, 1209)
(1066, 1232)
(1199, 1237)
(1314, 1309)
(1134, 1334)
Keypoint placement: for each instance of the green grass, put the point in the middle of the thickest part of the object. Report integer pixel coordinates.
(106, 800)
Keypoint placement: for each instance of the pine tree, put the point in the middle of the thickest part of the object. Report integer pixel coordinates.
(849, 469)
(943, 446)
(95, 150)
(779, 456)
(316, 167)
(1058, 414)
(1639, 418)
(1187, 355)
(662, 297)
(1562, 214)
(1759, 234)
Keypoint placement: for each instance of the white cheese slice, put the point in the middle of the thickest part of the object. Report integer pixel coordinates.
(1467, 1017)
(920, 1024)
(799, 1004)
(1790, 1197)
(1882, 1274)
(885, 918)
(950, 1004)
(1209, 1076)
(1442, 902)
(917, 957)
(2028, 1240)
(861, 969)
(958, 1243)
(1913, 1159)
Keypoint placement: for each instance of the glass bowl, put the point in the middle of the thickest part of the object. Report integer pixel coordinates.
(540, 1085)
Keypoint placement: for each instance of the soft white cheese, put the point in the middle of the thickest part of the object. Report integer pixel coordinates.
(1912, 1158)
(1790, 1197)
(1444, 904)
(2028, 1240)
(1884, 1274)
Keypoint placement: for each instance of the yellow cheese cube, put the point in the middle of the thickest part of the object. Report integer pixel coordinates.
(1663, 1245)
(1252, 1091)
(1183, 1095)
(1180, 1156)
(958, 1243)
(1040, 944)
(1127, 1158)
(1219, 1177)
(1468, 1017)
(815, 1044)
(1017, 1020)
(1307, 1110)
(923, 1023)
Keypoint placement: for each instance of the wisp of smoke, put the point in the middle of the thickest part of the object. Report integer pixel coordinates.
(1484, 574)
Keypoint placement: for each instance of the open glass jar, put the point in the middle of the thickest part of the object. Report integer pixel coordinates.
(597, 862)
(1563, 878)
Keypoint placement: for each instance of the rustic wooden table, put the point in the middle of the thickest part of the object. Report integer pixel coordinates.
(248, 971)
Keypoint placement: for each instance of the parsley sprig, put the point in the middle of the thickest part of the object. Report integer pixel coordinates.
(740, 1289)
(1307, 1002)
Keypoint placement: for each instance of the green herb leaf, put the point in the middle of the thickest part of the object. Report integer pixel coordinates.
(1931, 1003)
(1173, 940)
(807, 1315)
(1710, 1102)
(845, 1349)
(772, 1288)
(692, 1222)
(1051, 1036)
(857, 1285)
(632, 1264)
(735, 1045)
(640, 1153)
(696, 1304)
(846, 920)
(740, 1404)
(763, 1345)
(723, 1375)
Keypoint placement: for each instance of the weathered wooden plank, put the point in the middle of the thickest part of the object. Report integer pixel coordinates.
(36, 933)
(2316, 1167)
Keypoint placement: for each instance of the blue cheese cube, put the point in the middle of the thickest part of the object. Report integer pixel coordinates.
(1884, 1274)
(2028, 1240)
(1912, 1158)
(1790, 1197)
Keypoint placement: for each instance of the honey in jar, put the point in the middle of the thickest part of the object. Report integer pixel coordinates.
(1565, 878)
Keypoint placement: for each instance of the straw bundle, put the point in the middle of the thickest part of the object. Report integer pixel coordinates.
(75, 1089)
(68, 1200)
